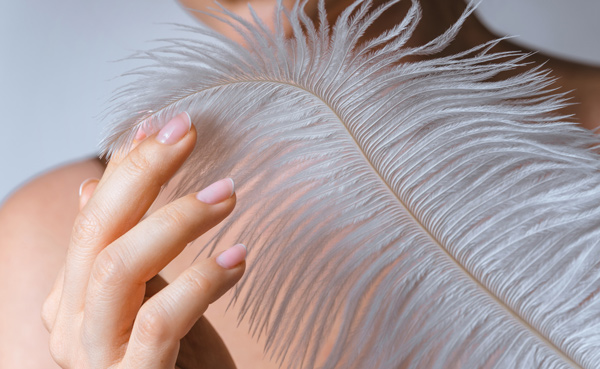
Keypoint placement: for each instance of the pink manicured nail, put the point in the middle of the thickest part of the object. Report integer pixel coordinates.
(232, 256)
(175, 129)
(219, 191)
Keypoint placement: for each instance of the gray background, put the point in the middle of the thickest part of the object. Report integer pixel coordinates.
(56, 69)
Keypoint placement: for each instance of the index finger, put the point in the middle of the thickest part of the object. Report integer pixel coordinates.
(120, 200)
(144, 131)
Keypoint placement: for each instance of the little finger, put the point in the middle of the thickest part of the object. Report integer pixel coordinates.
(169, 315)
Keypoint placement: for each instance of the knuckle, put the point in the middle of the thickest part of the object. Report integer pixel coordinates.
(109, 269)
(137, 163)
(153, 326)
(87, 227)
(197, 282)
(173, 216)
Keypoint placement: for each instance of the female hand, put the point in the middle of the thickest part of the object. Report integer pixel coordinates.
(106, 309)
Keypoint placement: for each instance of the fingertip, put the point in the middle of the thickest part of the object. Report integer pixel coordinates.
(217, 192)
(189, 120)
(86, 189)
(232, 257)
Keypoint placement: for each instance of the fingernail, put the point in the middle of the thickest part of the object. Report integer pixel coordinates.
(84, 183)
(175, 129)
(219, 191)
(232, 257)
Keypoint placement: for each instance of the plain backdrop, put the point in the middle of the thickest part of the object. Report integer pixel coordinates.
(56, 64)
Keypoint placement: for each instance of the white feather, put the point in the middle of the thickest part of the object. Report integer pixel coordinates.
(424, 215)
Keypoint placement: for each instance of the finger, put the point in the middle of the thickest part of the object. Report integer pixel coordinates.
(144, 131)
(50, 307)
(118, 279)
(86, 189)
(121, 200)
(152, 161)
(169, 315)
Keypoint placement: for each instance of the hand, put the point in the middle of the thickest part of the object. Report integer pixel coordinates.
(107, 309)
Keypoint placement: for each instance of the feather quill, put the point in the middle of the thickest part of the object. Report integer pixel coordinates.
(420, 213)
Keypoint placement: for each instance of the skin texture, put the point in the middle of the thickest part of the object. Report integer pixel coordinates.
(35, 227)
(37, 220)
(438, 16)
(100, 313)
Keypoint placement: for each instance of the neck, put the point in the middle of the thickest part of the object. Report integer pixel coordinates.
(439, 15)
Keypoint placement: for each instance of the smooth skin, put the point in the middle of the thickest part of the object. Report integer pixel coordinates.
(36, 220)
(100, 312)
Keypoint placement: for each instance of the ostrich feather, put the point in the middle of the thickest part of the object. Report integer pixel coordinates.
(422, 214)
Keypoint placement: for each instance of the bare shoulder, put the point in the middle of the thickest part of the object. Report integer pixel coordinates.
(51, 198)
(35, 226)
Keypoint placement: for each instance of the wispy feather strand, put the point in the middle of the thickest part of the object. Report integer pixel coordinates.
(418, 213)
